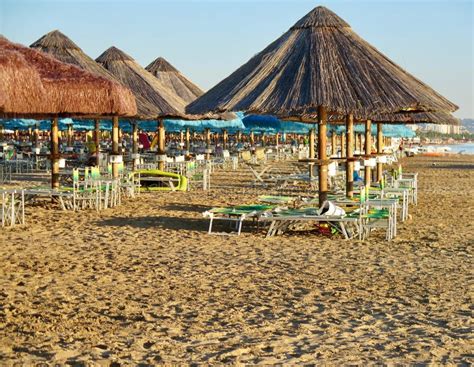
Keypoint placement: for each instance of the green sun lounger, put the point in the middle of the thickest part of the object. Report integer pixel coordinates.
(237, 214)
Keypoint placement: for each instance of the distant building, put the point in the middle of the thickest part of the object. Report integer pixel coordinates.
(442, 129)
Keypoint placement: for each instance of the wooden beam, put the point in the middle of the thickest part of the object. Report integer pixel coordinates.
(322, 143)
(55, 153)
(349, 155)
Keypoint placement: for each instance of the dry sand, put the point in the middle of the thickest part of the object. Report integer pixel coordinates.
(144, 283)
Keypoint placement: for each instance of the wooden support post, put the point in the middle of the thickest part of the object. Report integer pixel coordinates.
(70, 136)
(312, 153)
(181, 139)
(277, 139)
(224, 139)
(97, 141)
(55, 153)
(188, 141)
(161, 145)
(343, 145)
(322, 155)
(134, 143)
(115, 145)
(368, 131)
(239, 137)
(333, 144)
(379, 150)
(36, 136)
(349, 155)
(252, 139)
(208, 144)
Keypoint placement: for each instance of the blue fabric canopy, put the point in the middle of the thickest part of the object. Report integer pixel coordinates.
(170, 125)
(388, 130)
(272, 125)
(259, 124)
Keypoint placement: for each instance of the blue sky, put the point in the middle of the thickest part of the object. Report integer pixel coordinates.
(207, 40)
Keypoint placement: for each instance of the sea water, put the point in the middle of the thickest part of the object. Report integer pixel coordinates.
(465, 148)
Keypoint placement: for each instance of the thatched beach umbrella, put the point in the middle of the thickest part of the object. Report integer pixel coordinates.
(320, 65)
(154, 99)
(22, 91)
(68, 91)
(64, 49)
(174, 80)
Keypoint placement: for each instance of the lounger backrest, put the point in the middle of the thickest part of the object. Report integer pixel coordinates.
(260, 153)
(245, 155)
(225, 154)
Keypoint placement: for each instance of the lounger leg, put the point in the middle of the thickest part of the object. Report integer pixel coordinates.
(240, 227)
(210, 225)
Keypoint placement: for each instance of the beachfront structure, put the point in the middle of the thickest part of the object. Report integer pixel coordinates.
(64, 90)
(154, 99)
(65, 50)
(321, 66)
(174, 80)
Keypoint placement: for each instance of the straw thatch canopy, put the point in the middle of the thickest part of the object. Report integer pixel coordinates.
(320, 61)
(68, 90)
(21, 89)
(64, 49)
(174, 80)
(154, 99)
(442, 118)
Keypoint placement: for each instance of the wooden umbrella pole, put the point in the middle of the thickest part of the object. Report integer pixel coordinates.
(349, 155)
(277, 139)
(224, 139)
(134, 138)
(239, 136)
(70, 136)
(322, 143)
(161, 144)
(181, 139)
(379, 150)
(36, 136)
(97, 141)
(252, 139)
(208, 144)
(312, 154)
(333, 144)
(115, 145)
(55, 153)
(134, 143)
(368, 127)
(188, 141)
(343, 145)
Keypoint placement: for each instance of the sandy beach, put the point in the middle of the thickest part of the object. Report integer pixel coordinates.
(144, 283)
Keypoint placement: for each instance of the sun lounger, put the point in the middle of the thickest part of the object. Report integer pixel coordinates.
(281, 221)
(237, 214)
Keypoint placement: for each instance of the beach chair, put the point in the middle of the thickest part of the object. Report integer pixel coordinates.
(13, 207)
(377, 213)
(237, 215)
(283, 220)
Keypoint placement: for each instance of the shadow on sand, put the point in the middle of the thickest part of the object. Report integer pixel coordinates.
(175, 223)
(183, 207)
